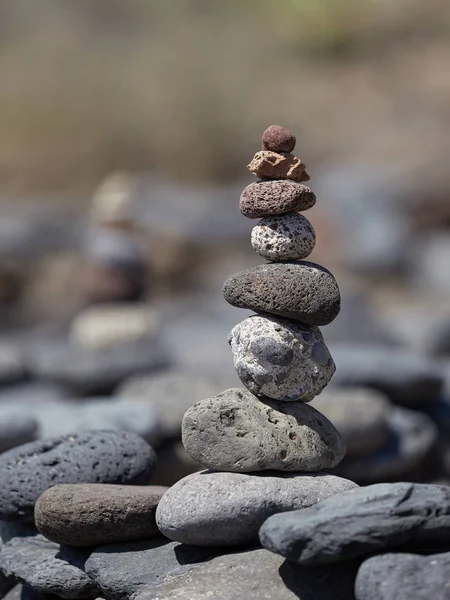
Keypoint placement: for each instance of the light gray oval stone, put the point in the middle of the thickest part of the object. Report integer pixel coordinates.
(235, 431)
(283, 237)
(227, 509)
(280, 359)
(360, 414)
(47, 567)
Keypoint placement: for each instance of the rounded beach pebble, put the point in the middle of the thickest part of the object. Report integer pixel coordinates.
(91, 457)
(264, 198)
(272, 165)
(280, 359)
(278, 139)
(94, 514)
(227, 509)
(283, 237)
(235, 431)
(303, 291)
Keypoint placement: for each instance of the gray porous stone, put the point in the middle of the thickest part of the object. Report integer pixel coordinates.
(280, 359)
(170, 393)
(16, 427)
(47, 567)
(255, 574)
(283, 237)
(91, 457)
(93, 371)
(360, 414)
(362, 521)
(404, 577)
(303, 291)
(263, 198)
(235, 431)
(120, 570)
(406, 377)
(411, 439)
(94, 514)
(227, 509)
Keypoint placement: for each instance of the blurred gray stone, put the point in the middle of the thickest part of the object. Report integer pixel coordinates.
(235, 431)
(17, 427)
(227, 509)
(429, 262)
(404, 577)
(47, 568)
(12, 364)
(362, 521)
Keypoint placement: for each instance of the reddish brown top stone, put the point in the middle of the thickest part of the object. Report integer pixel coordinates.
(278, 139)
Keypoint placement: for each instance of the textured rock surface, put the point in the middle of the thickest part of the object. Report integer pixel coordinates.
(91, 457)
(227, 509)
(48, 568)
(411, 438)
(404, 577)
(263, 198)
(362, 521)
(302, 291)
(278, 139)
(235, 431)
(120, 570)
(255, 574)
(283, 237)
(360, 414)
(280, 359)
(407, 378)
(171, 393)
(16, 427)
(272, 165)
(94, 514)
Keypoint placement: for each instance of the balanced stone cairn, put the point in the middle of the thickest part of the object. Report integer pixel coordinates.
(282, 360)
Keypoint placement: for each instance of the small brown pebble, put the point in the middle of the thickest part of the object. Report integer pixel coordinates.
(272, 165)
(278, 139)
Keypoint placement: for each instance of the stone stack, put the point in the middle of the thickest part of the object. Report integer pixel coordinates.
(265, 446)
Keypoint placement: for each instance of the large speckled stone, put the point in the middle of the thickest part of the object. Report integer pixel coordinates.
(48, 568)
(227, 509)
(91, 457)
(93, 514)
(280, 359)
(360, 414)
(301, 290)
(273, 165)
(283, 237)
(235, 431)
(361, 522)
(263, 198)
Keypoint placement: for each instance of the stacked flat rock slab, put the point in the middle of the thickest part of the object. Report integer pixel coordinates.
(264, 446)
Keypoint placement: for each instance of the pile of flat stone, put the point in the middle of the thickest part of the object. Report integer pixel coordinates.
(265, 447)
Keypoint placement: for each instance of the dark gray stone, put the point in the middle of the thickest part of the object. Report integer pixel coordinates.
(255, 574)
(16, 427)
(12, 364)
(91, 457)
(263, 198)
(407, 378)
(120, 570)
(6, 584)
(362, 521)
(94, 514)
(227, 509)
(404, 577)
(235, 431)
(47, 567)
(411, 438)
(301, 290)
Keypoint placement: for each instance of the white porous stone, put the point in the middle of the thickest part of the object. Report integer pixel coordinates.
(280, 358)
(284, 237)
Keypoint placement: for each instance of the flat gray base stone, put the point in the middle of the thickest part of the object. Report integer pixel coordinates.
(47, 567)
(362, 521)
(404, 577)
(235, 431)
(94, 514)
(227, 509)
